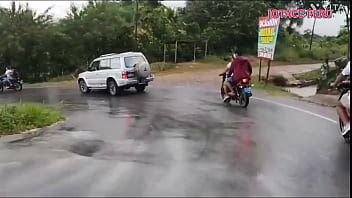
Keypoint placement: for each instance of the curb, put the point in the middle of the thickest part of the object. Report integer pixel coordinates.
(27, 134)
(318, 103)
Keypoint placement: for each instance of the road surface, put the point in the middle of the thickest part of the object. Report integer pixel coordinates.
(176, 141)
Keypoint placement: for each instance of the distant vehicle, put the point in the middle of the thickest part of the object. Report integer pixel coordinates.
(116, 72)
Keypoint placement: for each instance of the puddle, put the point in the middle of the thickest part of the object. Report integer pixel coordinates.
(87, 147)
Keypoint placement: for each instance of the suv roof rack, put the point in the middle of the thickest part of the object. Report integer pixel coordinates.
(108, 54)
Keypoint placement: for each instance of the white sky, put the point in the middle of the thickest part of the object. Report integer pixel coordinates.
(329, 27)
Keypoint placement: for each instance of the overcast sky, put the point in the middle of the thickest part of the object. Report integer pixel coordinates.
(329, 27)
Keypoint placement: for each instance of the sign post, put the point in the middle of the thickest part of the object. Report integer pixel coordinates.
(260, 68)
(267, 73)
(267, 36)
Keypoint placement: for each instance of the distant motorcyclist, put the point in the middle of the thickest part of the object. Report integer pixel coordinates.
(343, 107)
(8, 76)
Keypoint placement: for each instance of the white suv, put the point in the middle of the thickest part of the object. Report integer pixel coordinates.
(116, 72)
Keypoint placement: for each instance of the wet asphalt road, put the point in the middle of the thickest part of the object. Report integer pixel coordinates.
(174, 141)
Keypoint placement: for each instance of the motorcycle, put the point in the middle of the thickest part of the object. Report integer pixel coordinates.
(343, 88)
(16, 84)
(243, 91)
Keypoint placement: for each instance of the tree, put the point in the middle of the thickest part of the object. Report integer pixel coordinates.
(231, 24)
(99, 28)
(22, 33)
(337, 6)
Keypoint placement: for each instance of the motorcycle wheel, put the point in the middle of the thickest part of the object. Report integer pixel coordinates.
(17, 86)
(222, 92)
(347, 136)
(341, 124)
(243, 99)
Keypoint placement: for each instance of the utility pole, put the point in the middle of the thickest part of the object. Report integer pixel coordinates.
(164, 52)
(194, 52)
(176, 51)
(311, 37)
(206, 48)
(136, 22)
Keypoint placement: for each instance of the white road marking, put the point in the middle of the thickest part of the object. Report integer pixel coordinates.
(297, 109)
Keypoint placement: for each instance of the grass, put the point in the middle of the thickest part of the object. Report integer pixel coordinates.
(201, 65)
(62, 78)
(213, 62)
(270, 89)
(160, 66)
(312, 75)
(17, 118)
(255, 62)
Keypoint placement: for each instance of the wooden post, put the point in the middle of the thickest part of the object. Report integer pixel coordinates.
(176, 52)
(267, 74)
(194, 52)
(260, 69)
(164, 53)
(206, 48)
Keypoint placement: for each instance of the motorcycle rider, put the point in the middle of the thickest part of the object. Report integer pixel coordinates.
(227, 86)
(343, 106)
(8, 76)
(240, 68)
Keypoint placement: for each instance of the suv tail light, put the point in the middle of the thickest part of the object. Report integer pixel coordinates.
(124, 75)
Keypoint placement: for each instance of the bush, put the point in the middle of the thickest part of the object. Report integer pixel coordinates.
(312, 75)
(17, 118)
(62, 78)
(212, 59)
(319, 53)
(287, 54)
(279, 81)
(161, 66)
(341, 62)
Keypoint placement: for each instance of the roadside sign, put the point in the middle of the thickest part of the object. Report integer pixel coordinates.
(267, 35)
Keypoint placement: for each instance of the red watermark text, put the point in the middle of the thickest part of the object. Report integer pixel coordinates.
(300, 14)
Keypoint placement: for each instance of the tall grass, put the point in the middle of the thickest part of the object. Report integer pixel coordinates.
(17, 118)
(292, 54)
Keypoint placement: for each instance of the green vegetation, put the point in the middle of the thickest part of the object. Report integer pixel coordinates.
(312, 75)
(279, 81)
(293, 47)
(18, 118)
(160, 66)
(62, 78)
(42, 48)
(270, 89)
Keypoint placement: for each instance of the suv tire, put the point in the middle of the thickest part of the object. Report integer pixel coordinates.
(83, 86)
(140, 88)
(113, 89)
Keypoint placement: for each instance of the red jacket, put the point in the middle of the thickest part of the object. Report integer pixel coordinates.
(240, 68)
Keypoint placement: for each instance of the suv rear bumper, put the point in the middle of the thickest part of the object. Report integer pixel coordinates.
(149, 79)
(131, 82)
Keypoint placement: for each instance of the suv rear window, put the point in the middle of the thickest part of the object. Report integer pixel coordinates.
(131, 61)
